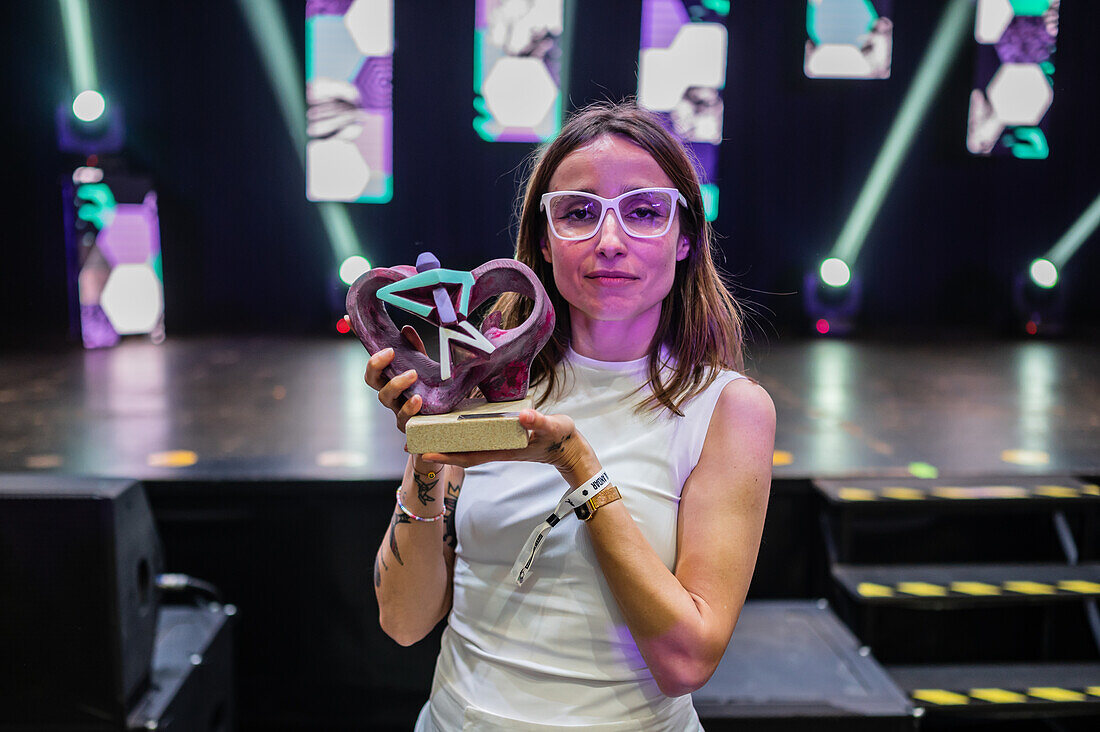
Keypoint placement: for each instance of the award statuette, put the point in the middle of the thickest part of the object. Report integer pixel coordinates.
(496, 361)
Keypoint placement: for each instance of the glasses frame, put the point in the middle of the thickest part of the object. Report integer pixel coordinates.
(611, 204)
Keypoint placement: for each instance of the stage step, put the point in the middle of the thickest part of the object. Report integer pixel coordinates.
(1048, 492)
(792, 665)
(940, 586)
(1002, 690)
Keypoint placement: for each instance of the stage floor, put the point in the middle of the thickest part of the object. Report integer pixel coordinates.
(264, 409)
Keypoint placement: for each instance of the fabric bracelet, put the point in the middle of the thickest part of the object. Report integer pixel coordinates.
(533, 545)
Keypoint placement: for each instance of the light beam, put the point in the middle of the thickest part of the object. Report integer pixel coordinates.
(78, 44)
(269, 32)
(1072, 240)
(947, 39)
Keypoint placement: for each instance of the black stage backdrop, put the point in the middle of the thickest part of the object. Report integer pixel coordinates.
(244, 251)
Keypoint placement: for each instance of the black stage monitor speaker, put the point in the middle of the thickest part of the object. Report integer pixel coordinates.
(79, 559)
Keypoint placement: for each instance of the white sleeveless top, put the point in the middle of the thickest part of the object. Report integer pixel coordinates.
(556, 652)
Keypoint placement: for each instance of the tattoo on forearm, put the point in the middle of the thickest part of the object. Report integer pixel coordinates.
(450, 502)
(398, 518)
(557, 446)
(424, 487)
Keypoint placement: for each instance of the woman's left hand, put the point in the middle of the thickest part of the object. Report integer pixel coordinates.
(551, 438)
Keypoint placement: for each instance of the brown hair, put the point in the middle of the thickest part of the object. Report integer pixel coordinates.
(700, 322)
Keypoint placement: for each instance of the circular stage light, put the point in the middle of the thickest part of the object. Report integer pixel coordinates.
(89, 105)
(353, 267)
(835, 273)
(1044, 273)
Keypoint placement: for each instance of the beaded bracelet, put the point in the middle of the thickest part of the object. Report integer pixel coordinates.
(412, 515)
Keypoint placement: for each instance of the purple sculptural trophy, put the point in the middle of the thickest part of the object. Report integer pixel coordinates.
(496, 361)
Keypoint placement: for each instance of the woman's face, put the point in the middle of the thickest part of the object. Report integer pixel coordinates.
(613, 276)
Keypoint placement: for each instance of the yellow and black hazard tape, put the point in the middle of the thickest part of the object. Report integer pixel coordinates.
(1011, 588)
(1031, 695)
(897, 493)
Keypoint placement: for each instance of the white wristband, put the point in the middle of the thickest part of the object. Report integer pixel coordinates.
(574, 498)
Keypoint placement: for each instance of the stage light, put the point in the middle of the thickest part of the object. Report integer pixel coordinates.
(682, 75)
(1039, 297)
(1013, 77)
(835, 273)
(342, 326)
(946, 40)
(849, 39)
(83, 124)
(1044, 273)
(519, 56)
(89, 105)
(352, 267)
(831, 298)
(349, 80)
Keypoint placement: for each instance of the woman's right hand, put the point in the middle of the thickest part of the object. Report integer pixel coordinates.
(390, 391)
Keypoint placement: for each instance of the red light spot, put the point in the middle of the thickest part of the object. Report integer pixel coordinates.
(93, 160)
(1031, 327)
(822, 326)
(342, 326)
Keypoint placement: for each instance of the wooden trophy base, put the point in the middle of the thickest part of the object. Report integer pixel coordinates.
(474, 425)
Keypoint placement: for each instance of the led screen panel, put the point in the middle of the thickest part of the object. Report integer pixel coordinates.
(849, 39)
(517, 69)
(349, 76)
(1013, 78)
(113, 237)
(681, 76)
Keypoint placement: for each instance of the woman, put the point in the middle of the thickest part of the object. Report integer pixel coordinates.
(623, 615)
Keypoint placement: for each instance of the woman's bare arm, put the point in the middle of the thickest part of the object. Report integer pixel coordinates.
(415, 563)
(682, 620)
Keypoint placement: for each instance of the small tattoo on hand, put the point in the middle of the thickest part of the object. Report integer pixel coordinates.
(556, 447)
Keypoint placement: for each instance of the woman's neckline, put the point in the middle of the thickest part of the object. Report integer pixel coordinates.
(634, 365)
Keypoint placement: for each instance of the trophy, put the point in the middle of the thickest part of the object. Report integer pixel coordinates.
(496, 361)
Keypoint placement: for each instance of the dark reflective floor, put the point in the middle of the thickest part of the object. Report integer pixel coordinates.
(297, 409)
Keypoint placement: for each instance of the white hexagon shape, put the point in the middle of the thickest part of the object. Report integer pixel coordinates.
(370, 24)
(1020, 94)
(836, 60)
(335, 171)
(696, 57)
(992, 19)
(519, 92)
(133, 299)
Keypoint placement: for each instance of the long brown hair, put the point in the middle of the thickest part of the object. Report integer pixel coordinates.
(700, 324)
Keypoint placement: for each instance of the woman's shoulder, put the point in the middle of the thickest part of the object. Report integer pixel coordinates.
(746, 402)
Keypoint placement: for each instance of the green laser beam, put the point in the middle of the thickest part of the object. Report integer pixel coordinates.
(1072, 240)
(272, 38)
(78, 45)
(341, 234)
(269, 33)
(947, 39)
